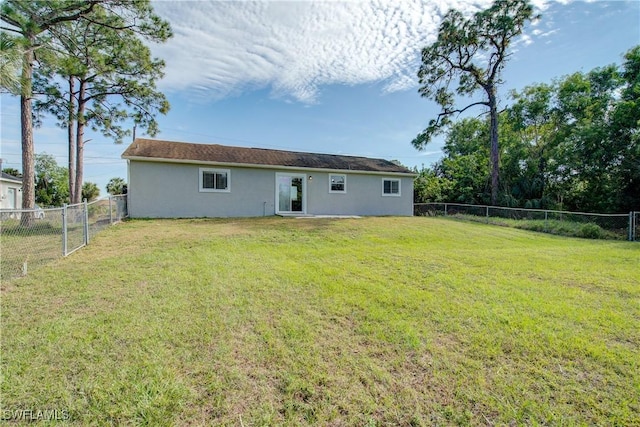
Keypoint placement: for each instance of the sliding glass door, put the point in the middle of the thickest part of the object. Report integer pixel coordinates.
(290, 189)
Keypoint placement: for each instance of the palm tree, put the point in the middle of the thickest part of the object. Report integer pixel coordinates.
(10, 64)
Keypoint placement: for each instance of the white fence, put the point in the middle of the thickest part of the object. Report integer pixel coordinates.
(622, 226)
(32, 238)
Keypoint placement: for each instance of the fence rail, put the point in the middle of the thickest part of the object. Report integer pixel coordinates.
(32, 238)
(622, 226)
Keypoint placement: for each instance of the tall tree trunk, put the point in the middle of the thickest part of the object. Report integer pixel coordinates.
(80, 122)
(26, 121)
(495, 150)
(72, 141)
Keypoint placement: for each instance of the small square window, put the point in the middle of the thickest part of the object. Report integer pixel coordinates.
(337, 183)
(214, 180)
(390, 187)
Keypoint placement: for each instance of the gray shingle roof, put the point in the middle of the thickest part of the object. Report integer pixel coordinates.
(181, 151)
(11, 177)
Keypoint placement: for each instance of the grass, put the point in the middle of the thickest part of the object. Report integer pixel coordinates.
(376, 321)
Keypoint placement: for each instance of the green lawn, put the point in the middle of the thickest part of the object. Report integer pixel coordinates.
(375, 321)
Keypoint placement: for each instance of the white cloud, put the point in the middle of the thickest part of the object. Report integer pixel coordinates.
(223, 48)
(540, 33)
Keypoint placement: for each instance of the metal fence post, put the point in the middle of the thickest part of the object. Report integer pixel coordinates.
(64, 229)
(110, 210)
(445, 209)
(487, 214)
(546, 221)
(85, 220)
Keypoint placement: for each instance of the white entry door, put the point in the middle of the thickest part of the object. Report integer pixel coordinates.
(11, 197)
(290, 193)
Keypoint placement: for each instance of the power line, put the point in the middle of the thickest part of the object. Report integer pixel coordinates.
(281, 147)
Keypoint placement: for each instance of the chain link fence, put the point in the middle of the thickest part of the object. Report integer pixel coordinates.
(580, 224)
(105, 212)
(32, 238)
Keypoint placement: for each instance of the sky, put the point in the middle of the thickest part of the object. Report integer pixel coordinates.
(336, 77)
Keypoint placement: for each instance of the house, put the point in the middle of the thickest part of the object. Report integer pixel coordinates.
(181, 180)
(10, 191)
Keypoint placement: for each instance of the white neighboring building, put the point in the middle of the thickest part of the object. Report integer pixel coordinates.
(10, 191)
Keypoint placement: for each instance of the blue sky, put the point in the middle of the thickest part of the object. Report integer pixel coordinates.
(334, 77)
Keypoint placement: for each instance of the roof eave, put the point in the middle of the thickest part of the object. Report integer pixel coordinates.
(12, 180)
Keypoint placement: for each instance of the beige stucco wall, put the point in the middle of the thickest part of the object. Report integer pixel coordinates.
(170, 190)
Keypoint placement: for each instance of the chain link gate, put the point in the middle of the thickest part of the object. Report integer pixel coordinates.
(33, 238)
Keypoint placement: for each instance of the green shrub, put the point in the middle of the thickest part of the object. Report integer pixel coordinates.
(551, 226)
(591, 231)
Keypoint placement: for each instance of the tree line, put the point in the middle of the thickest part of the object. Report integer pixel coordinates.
(52, 183)
(84, 62)
(572, 144)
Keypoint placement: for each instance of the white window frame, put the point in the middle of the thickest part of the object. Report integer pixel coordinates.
(201, 188)
(344, 176)
(398, 194)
